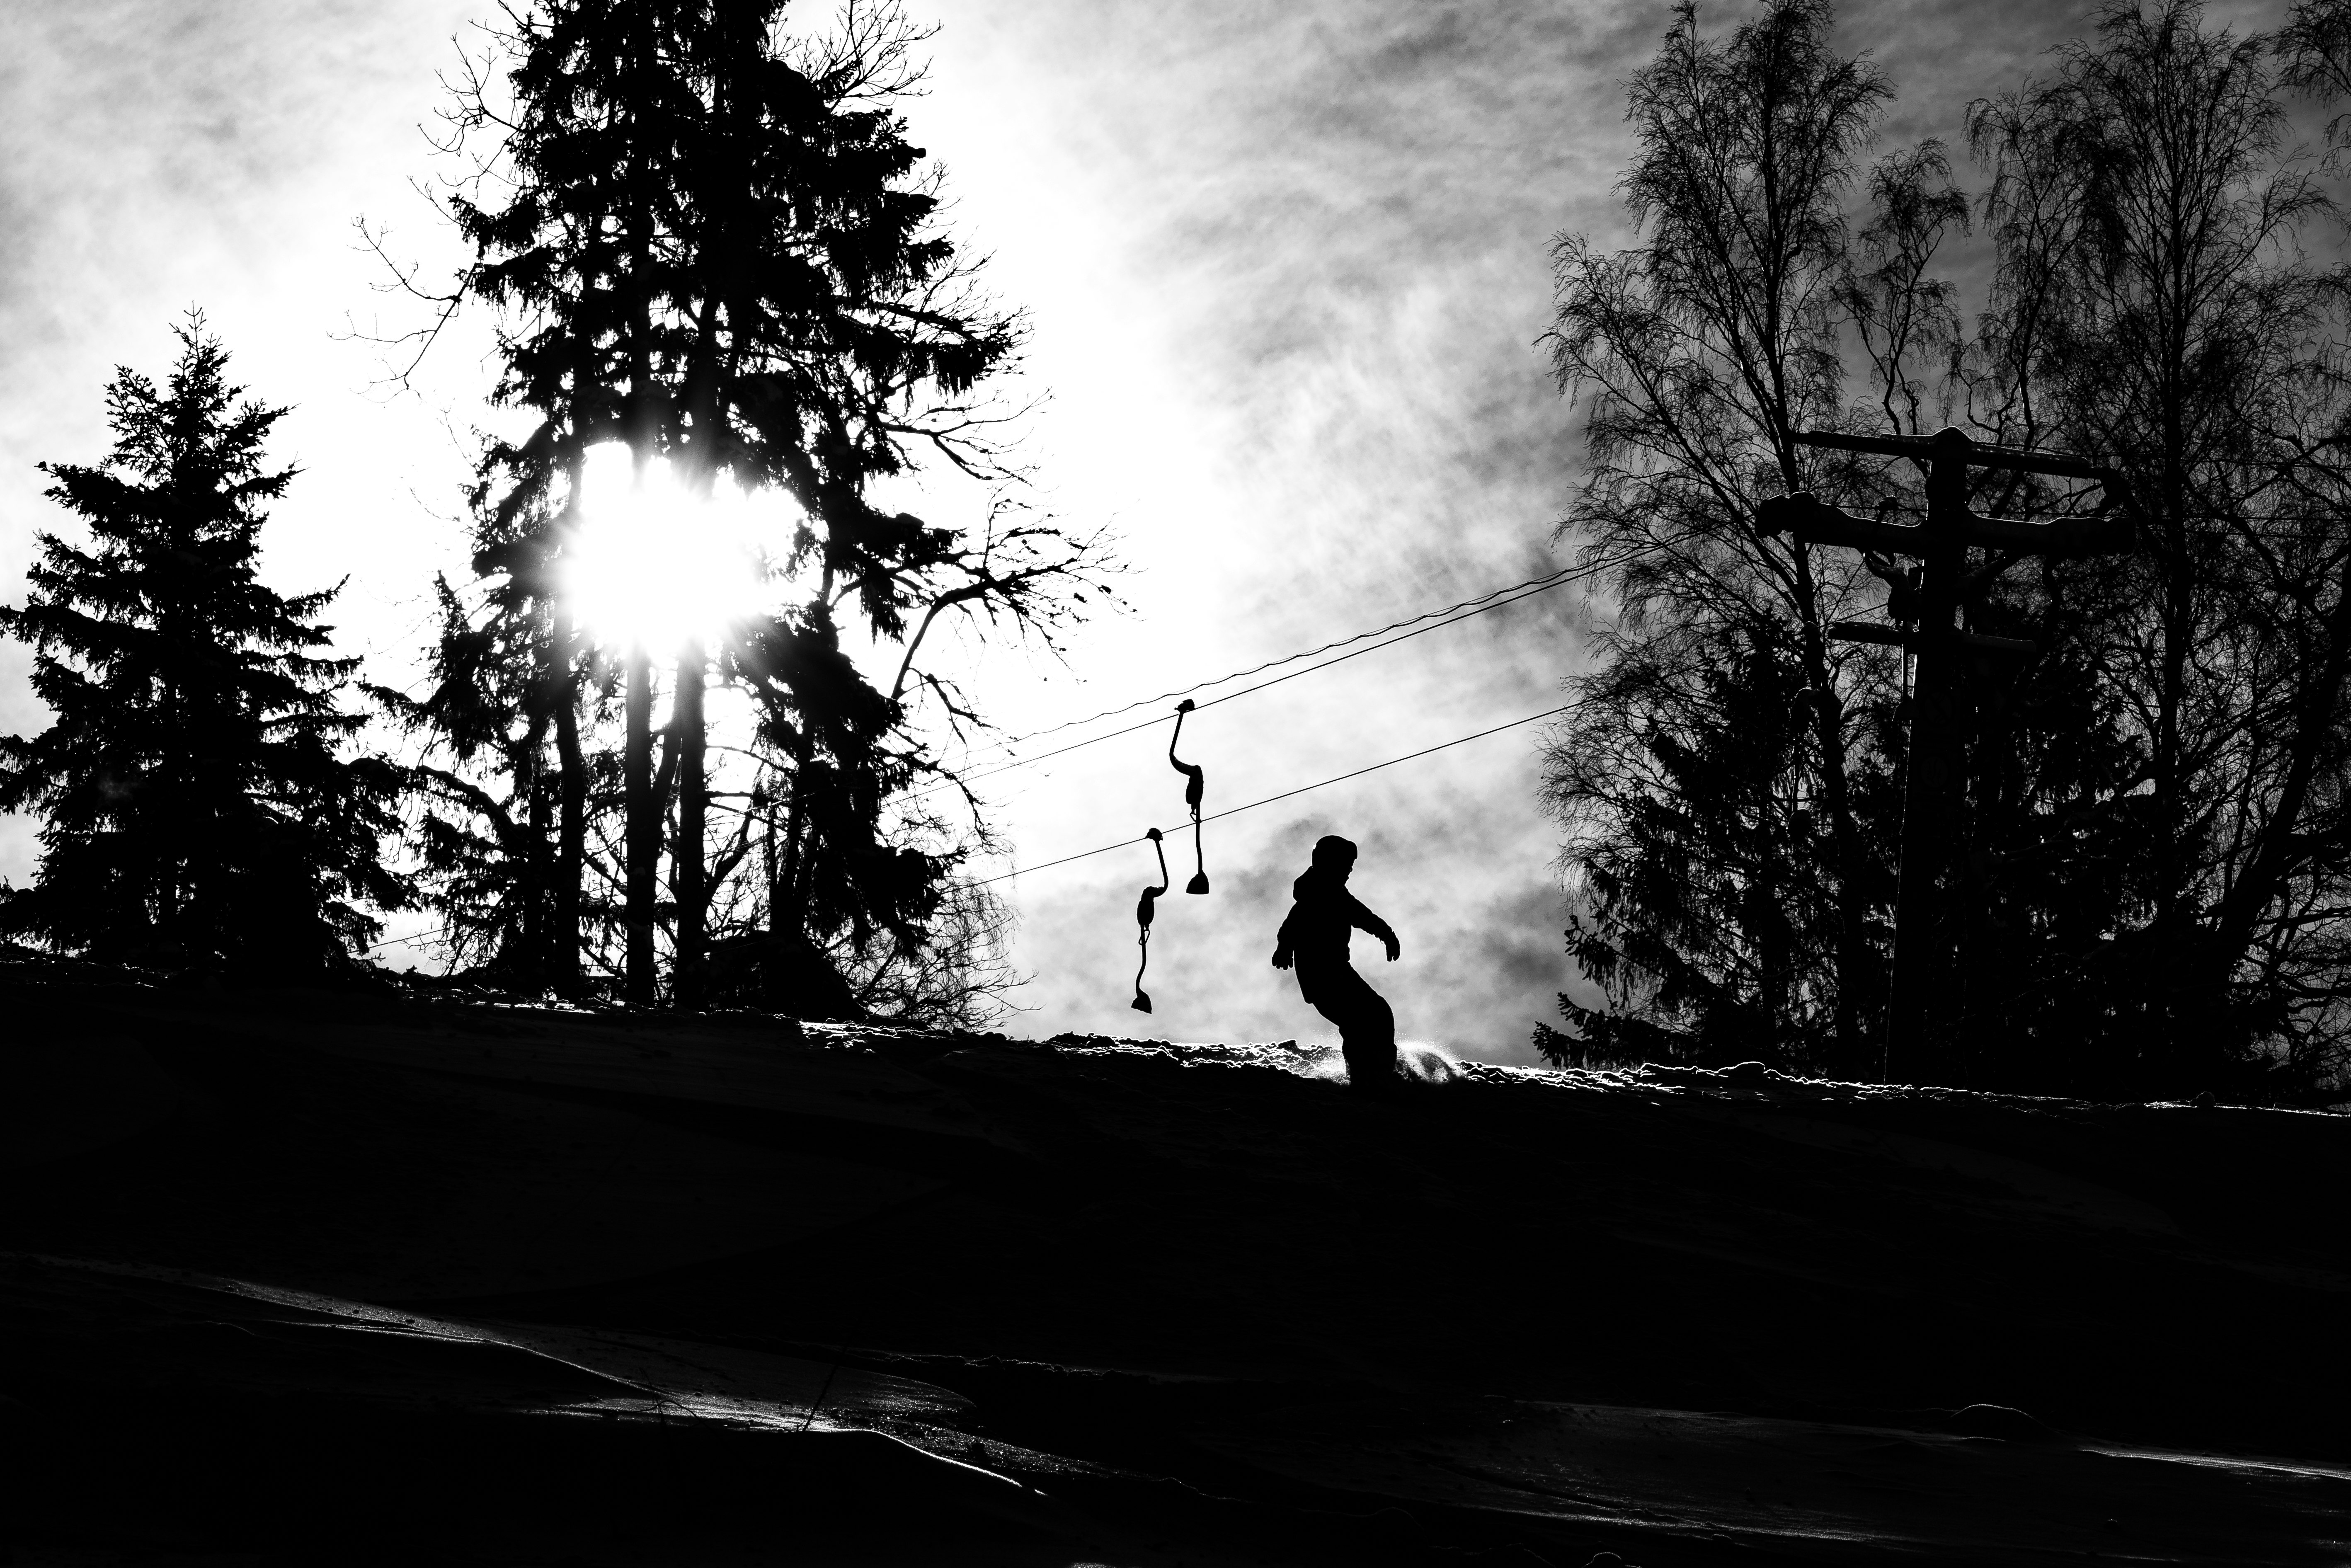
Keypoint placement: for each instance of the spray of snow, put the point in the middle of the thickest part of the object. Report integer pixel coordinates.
(1426, 1063)
(1417, 1059)
(1322, 1061)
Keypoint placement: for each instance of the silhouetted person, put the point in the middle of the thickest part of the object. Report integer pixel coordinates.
(1315, 937)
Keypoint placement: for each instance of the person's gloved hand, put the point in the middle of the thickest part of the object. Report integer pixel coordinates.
(1281, 958)
(1395, 948)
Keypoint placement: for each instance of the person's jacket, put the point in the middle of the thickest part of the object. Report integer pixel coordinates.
(1316, 933)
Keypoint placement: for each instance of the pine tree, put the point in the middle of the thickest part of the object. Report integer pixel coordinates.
(714, 242)
(197, 809)
(580, 256)
(491, 854)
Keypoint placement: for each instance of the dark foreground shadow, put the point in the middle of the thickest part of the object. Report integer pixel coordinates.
(550, 1287)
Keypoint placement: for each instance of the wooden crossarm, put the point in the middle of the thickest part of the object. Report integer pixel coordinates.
(2108, 535)
(1814, 521)
(1869, 631)
(1957, 444)
(1899, 637)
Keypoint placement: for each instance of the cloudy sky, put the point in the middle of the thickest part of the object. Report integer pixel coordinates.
(1285, 267)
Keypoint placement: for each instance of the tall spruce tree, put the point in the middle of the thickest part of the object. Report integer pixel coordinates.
(197, 809)
(714, 242)
(578, 258)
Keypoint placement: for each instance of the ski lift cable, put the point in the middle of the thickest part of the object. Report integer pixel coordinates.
(1451, 615)
(1269, 799)
(1158, 719)
(416, 936)
(1531, 588)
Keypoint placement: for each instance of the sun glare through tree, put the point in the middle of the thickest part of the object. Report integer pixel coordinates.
(653, 565)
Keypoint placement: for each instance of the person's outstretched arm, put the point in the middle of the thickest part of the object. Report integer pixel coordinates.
(1371, 925)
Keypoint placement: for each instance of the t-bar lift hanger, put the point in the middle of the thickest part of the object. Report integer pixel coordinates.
(1195, 786)
(1144, 908)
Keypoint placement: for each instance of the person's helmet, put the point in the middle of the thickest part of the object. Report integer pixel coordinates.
(1330, 850)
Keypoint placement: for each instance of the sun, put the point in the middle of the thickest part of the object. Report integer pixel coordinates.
(654, 566)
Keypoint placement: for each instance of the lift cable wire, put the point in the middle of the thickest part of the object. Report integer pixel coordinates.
(418, 936)
(1493, 600)
(1450, 614)
(1269, 799)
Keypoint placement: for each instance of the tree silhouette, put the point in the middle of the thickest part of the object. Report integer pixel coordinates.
(713, 243)
(1706, 349)
(495, 856)
(2153, 304)
(2148, 865)
(196, 809)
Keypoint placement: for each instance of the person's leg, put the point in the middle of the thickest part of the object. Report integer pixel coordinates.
(1366, 1025)
(1370, 1045)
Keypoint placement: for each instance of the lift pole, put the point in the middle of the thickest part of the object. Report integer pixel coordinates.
(1938, 719)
